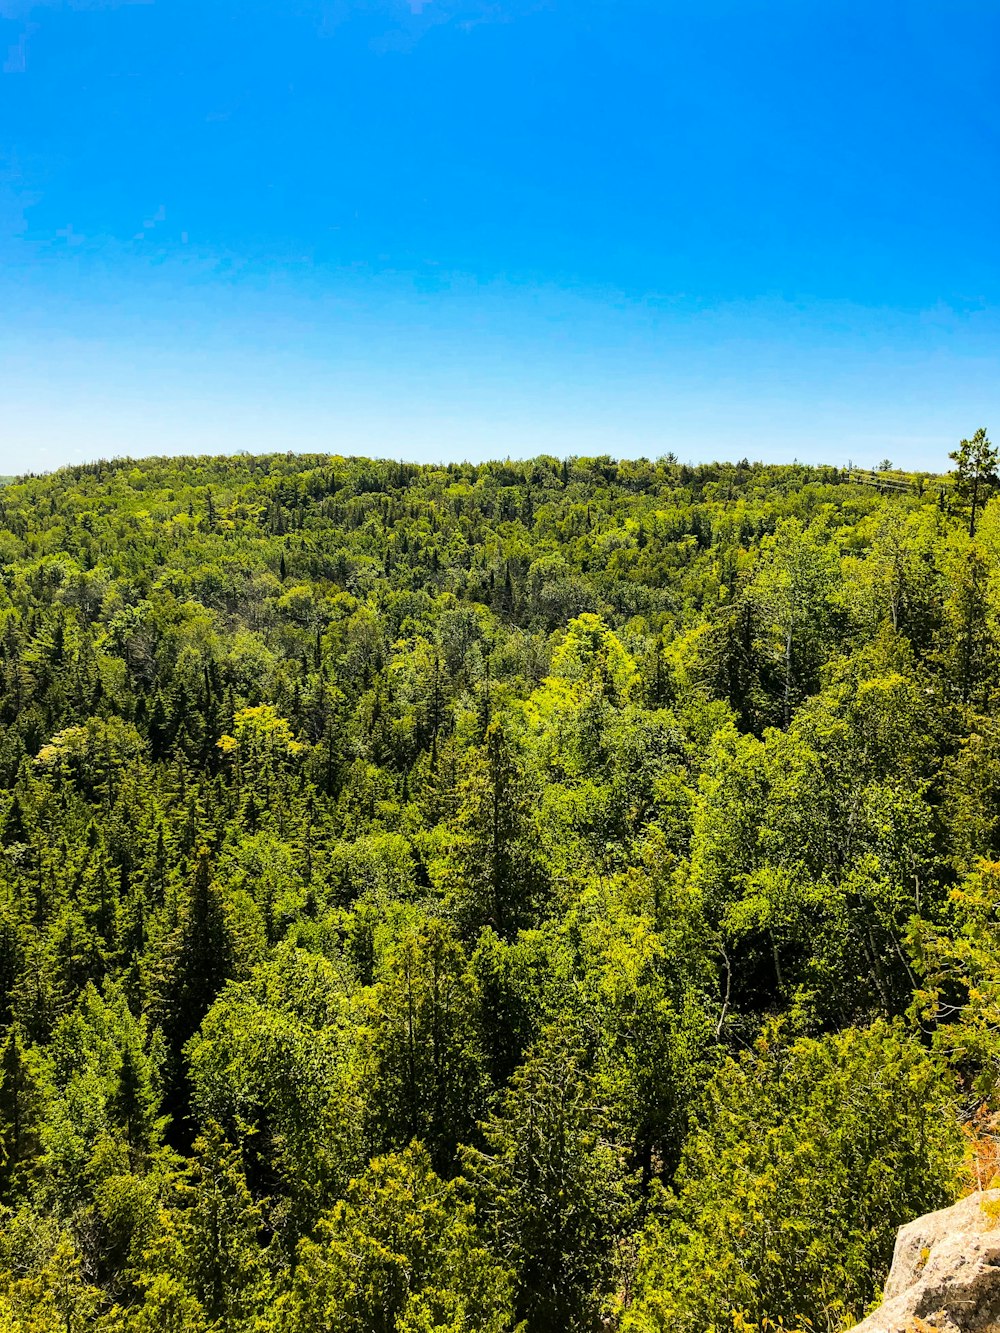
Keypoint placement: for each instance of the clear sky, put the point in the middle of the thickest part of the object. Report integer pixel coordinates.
(442, 229)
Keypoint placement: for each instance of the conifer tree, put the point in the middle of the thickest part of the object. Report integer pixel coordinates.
(975, 473)
(22, 1107)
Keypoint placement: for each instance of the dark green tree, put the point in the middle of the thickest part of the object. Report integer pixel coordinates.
(550, 1186)
(975, 473)
(22, 1110)
(427, 1079)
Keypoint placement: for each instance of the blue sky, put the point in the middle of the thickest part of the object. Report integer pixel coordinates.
(441, 229)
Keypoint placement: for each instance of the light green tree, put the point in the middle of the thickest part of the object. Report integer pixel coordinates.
(805, 1159)
(399, 1254)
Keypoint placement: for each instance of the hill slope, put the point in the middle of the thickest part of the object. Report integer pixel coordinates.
(440, 898)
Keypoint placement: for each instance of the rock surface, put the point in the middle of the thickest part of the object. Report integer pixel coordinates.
(945, 1275)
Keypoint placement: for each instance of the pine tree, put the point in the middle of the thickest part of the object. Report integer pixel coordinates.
(22, 1106)
(975, 473)
(427, 1077)
(496, 876)
(550, 1186)
(219, 1234)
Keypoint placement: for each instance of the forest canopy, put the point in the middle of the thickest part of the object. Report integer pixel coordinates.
(544, 896)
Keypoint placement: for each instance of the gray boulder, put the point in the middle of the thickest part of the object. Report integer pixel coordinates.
(945, 1275)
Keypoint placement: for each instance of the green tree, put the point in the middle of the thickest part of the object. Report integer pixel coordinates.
(211, 1239)
(22, 1109)
(196, 959)
(958, 959)
(550, 1186)
(805, 1160)
(427, 1080)
(399, 1254)
(494, 878)
(975, 473)
(275, 1063)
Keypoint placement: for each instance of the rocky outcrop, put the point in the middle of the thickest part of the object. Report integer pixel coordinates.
(945, 1275)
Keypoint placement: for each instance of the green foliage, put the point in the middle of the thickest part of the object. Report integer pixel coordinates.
(426, 1078)
(400, 1253)
(959, 963)
(493, 875)
(805, 1159)
(205, 1259)
(397, 863)
(975, 472)
(275, 1063)
(22, 1108)
(551, 1187)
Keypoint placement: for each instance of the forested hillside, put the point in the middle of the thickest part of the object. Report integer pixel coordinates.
(548, 895)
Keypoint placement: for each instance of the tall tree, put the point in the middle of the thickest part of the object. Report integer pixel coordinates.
(427, 1077)
(550, 1186)
(22, 1107)
(975, 472)
(496, 878)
